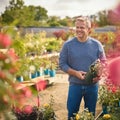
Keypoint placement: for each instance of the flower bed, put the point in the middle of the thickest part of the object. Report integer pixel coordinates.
(34, 113)
(109, 93)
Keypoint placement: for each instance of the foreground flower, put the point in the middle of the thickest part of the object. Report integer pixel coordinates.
(41, 85)
(27, 109)
(114, 15)
(77, 117)
(5, 40)
(46, 105)
(106, 116)
(114, 71)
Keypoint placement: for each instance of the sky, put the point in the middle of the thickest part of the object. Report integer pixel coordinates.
(69, 8)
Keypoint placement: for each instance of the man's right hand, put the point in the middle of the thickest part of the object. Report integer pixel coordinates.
(80, 75)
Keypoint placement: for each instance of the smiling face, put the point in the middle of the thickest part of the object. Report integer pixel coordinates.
(82, 29)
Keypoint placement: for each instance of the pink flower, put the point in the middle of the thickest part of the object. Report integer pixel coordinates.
(26, 92)
(2, 56)
(17, 109)
(5, 40)
(13, 70)
(41, 85)
(114, 71)
(27, 109)
(2, 75)
(114, 89)
(114, 15)
(12, 54)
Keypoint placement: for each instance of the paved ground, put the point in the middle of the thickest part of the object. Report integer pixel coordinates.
(59, 92)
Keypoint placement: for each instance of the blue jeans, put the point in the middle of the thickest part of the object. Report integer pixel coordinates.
(75, 94)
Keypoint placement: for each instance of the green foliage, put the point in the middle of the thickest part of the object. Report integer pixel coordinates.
(104, 95)
(115, 115)
(20, 15)
(84, 115)
(53, 45)
(19, 46)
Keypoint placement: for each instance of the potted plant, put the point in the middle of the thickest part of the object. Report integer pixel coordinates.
(22, 74)
(36, 112)
(52, 71)
(46, 65)
(95, 70)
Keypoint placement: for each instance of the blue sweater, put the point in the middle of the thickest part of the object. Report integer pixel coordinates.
(79, 56)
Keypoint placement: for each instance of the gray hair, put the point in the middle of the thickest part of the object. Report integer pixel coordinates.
(84, 19)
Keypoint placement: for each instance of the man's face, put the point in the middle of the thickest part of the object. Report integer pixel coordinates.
(82, 30)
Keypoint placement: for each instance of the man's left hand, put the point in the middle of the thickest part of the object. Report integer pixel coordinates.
(96, 79)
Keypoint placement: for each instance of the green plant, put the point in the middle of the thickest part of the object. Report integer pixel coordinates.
(104, 95)
(84, 115)
(8, 69)
(23, 65)
(95, 70)
(27, 112)
(111, 116)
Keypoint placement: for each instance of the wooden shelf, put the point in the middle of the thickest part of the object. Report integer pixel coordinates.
(31, 82)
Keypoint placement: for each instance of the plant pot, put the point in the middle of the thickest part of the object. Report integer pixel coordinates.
(52, 73)
(33, 75)
(119, 103)
(46, 71)
(105, 109)
(19, 78)
(38, 73)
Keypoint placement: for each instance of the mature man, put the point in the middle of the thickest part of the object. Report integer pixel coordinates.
(76, 56)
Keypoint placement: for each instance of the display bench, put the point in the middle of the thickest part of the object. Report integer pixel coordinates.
(29, 83)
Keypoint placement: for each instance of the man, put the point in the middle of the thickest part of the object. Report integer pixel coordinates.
(76, 56)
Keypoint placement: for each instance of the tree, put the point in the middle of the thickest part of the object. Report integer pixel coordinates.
(67, 21)
(53, 21)
(40, 14)
(102, 18)
(20, 15)
(16, 4)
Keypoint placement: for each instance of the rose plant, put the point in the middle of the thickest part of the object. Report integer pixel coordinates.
(36, 112)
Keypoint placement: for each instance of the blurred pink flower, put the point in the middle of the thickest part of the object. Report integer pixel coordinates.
(41, 85)
(13, 70)
(12, 54)
(114, 71)
(17, 109)
(27, 109)
(2, 75)
(114, 89)
(114, 15)
(5, 40)
(2, 56)
(26, 92)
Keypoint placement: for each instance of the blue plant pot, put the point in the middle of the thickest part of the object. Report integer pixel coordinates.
(33, 75)
(52, 73)
(46, 71)
(38, 73)
(119, 103)
(105, 109)
(19, 78)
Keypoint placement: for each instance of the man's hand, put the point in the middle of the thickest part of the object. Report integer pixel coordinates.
(80, 75)
(96, 79)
